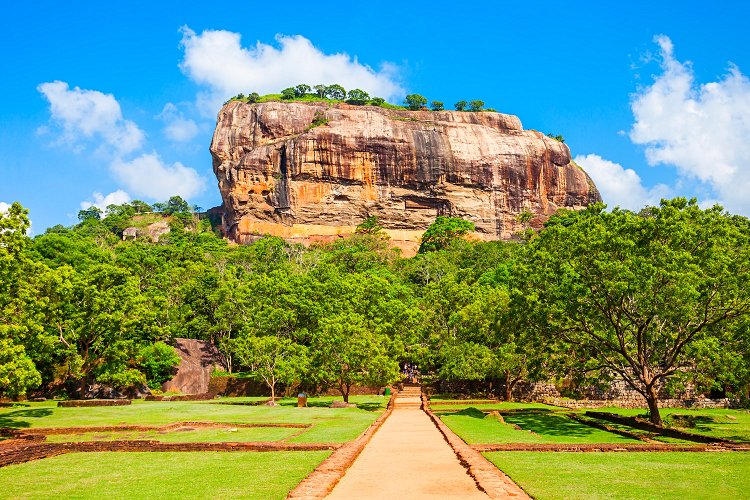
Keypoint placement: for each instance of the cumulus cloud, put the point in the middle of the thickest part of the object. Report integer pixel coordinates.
(701, 129)
(149, 176)
(89, 116)
(4, 207)
(101, 201)
(621, 186)
(218, 61)
(84, 115)
(177, 128)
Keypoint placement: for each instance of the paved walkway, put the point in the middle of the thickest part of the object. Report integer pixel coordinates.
(407, 458)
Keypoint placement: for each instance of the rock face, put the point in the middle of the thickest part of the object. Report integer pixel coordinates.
(314, 171)
(198, 359)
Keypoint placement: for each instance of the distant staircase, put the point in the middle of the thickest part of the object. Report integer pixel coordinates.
(409, 397)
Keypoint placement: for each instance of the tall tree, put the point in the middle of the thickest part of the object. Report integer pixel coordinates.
(636, 292)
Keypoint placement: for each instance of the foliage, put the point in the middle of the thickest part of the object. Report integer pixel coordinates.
(377, 101)
(157, 361)
(335, 92)
(437, 105)
(358, 97)
(442, 232)
(476, 105)
(557, 137)
(253, 97)
(371, 225)
(301, 90)
(635, 293)
(288, 93)
(272, 359)
(460, 106)
(91, 213)
(415, 102)
(320, 90)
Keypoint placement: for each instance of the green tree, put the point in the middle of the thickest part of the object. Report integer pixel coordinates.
(288, 93)
(271, 359)
(253, 97)
(91, 213)
(476, 105)
(415, 102)
(371, 225)
(460, 106)
(301, 90)
(140, 207)
(320, 90)
(437, 105)
(358, 97)
(347, 352)
(557, 137)
(442, 232)
(335, 92)
(157, 362)
(176, 205)
(635, 293)
(377, 101)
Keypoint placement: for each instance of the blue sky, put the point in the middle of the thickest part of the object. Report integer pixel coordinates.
(109, 103)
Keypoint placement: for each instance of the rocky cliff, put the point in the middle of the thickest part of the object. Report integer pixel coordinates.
(313, 171)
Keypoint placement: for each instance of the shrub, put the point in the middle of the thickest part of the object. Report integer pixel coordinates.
(157, 362)
(436, 105)
(377, 101)
(415, 101)
(288, 93)
(460, 105)
(476, 105)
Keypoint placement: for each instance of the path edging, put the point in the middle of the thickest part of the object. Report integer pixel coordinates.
(320, 482)
(491, 480)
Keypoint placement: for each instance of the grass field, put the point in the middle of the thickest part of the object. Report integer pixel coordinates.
(537, 426)
(628, 475)
(267, 475)
(329, 425)
(721, 423)
(238, 434)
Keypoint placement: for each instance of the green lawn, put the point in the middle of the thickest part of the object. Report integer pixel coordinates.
(730, 424)
(328, 424)
(236, 434)
(267, 475)
(628, 475)
(537, 426)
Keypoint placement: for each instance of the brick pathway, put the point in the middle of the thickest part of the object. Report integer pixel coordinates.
(408, 458)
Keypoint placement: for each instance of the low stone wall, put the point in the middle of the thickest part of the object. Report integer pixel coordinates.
(640, 403)
(93, 402)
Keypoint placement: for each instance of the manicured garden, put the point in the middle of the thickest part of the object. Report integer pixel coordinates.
(634, 474)
(132, 474)
(161, 475)
(667, 475)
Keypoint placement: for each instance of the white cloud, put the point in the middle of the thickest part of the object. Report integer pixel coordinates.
(4, 207)
(147, 175)
(90, 114)
(217, 60)
(101, 201)
(703, 129)
(621, 186)
(177, 128)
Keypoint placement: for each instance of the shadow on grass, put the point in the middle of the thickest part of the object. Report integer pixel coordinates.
(547, 424)
(15, 419)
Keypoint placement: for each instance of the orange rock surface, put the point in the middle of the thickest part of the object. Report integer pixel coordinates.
(310, 171)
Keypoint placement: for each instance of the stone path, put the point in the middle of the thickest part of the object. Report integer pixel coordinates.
(407, 457)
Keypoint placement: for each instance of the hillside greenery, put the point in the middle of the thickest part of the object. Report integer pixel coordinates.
(660, 297)
(335, 93)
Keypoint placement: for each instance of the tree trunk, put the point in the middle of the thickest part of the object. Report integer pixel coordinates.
(273, 393)
(508, 387)
(345, 393)
(653, 407)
